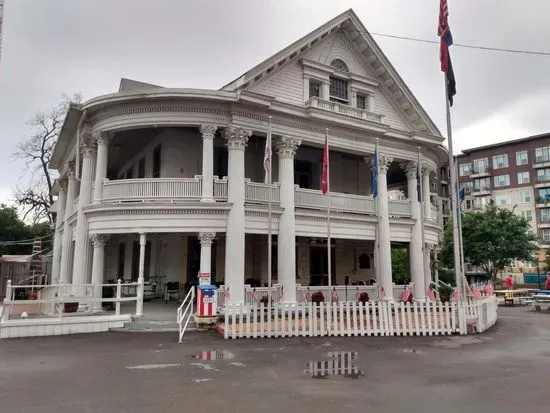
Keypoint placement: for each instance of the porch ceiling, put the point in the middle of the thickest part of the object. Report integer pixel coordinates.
(126, 144)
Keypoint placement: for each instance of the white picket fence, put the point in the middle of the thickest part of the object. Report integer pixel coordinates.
(374, 318)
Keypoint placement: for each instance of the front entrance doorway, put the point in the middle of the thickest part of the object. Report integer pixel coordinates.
(318, 264)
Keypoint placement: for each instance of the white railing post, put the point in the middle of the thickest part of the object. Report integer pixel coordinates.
(6, 311)
(118, 296)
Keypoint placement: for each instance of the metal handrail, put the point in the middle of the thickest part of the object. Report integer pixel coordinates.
(184, 312)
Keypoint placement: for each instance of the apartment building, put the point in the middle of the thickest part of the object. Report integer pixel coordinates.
(513, 175)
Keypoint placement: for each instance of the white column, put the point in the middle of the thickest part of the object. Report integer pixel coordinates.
(207, 132)
(57, 241)
(427, 265)
(206, 239)
(141, 274)
(426, 169)
(98, 268)
(67, 247)
(384, 243)
(416, 255)
(82, 243)
(286, 241)
(103, 139)
(236, 140)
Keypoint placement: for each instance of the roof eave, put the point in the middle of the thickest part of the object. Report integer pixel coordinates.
(65, 135)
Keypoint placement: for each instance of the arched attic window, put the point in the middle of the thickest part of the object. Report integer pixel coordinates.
(338, 90)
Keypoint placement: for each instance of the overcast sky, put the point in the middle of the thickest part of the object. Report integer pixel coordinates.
(51, 47)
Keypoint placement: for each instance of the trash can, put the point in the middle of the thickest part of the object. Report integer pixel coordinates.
(206, 300)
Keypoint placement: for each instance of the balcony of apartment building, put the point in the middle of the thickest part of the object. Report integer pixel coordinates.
(542, 158)
(480, 170)
(483, 189)
(543, 220)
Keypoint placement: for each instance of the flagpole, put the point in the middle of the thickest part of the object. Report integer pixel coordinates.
(460, 238)
(456, 246)
(329, 257)
(269, 217)
(422, 214)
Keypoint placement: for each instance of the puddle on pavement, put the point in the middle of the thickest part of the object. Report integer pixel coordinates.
(213, 355)
(340, 363)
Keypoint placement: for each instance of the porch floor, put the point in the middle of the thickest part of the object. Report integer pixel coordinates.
(157, 316)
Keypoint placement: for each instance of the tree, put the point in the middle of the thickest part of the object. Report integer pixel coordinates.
(399, 267)
(36, 150)
(492, 239)
(13, 229)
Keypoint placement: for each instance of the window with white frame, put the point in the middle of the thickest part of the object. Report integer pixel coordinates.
(314, 88)
(542, 154)
(545, 215)
(468, 187)
(338, 90)
(503, 199)
(501, 180)
(522, 158)
(543, 174)
(483, 184)
(362, 102)
(546, 234)
(524, 196)
(481, 165)
(500, 161)
(523, 177)
(464, 169)
(528, 215)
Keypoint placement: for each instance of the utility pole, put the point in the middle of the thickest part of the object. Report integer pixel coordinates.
(1, 20)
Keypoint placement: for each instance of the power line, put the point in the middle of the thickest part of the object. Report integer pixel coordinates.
(467, 46)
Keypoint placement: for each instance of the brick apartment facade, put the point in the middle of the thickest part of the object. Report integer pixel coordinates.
(513, 174)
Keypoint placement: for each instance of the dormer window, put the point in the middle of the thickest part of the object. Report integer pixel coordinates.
(362, 102)
(340, 65)
(314, 89)
(338, 90)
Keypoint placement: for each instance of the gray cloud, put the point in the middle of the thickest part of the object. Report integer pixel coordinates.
(61, 46)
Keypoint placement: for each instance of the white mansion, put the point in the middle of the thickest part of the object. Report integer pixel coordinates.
(170, 182)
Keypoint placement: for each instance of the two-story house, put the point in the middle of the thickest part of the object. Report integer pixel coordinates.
(163, 183)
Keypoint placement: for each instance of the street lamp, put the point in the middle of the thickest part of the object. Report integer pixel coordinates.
(537, 256)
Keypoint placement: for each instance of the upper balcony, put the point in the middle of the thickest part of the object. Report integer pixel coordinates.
(482, 190)
(542, 162)
(347, 110)
(480, 171)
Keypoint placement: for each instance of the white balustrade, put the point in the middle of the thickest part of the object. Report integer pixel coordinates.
(258, 192)
(151, 189)
(220, 189)
(348, 110)
(399, 208)
(312, 198)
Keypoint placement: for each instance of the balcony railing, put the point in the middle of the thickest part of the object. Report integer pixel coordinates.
(259, 193)
(312, 198)
(152, 189)
(328, 105)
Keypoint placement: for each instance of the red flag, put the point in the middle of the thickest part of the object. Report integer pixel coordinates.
(324, 175)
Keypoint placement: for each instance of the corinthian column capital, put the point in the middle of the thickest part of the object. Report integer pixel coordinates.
(208, 131)
(87, 141)
(206, 238)
(103, 137)
(410, 168)
(384, 162)
(287, 146)
(236, 138)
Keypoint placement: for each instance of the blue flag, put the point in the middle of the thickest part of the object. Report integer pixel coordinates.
(461, 194)
(374, 183)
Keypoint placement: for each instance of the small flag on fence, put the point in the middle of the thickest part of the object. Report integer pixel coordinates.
(456, 294)
(357, 294)
(334, 296)
(226, 294)
(308, 294)
(406, 294)
(431, 294)
(254, 295)
(381, 294)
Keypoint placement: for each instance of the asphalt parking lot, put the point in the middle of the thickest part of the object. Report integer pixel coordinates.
(504, 370)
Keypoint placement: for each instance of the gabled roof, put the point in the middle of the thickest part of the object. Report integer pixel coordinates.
(356, 32)
(129, 84)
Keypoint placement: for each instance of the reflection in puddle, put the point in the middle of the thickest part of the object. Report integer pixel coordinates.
(340, 364)
(214, 355)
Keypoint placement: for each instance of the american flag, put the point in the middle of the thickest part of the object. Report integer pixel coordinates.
(325, 168)
(381, 294)
(444, 32)
(308, 294)
(357, 294)
(406, 294)
(334, 296)
(267, 154)
(254, 295)
(431, 294)
(226, 294)
(489, 290)
(476, 292)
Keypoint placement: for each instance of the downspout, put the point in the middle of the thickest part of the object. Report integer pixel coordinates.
(80, 122)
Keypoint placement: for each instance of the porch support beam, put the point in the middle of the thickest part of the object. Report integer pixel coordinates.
(98, 268)
(57, 242)
(426, 170)
(66, 248)
(286, 241)
(141, 274)
(383, 236)
(236, 140)
(102, 139)
(206, 239)
(416, 254)
(208, 132)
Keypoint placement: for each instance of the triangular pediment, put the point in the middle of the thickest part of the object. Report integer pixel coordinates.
(345, 38)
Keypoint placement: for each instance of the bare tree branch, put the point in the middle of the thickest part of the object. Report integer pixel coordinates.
(36, 150)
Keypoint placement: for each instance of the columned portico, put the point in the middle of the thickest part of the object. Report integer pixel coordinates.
(206, 239)
(383, 236)
(236, 140)
(98, 267)
(67, 249)
(207, 132)
(102, 139)
(81, 254)
(60, 217)
(416, 255)
(286, 244)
